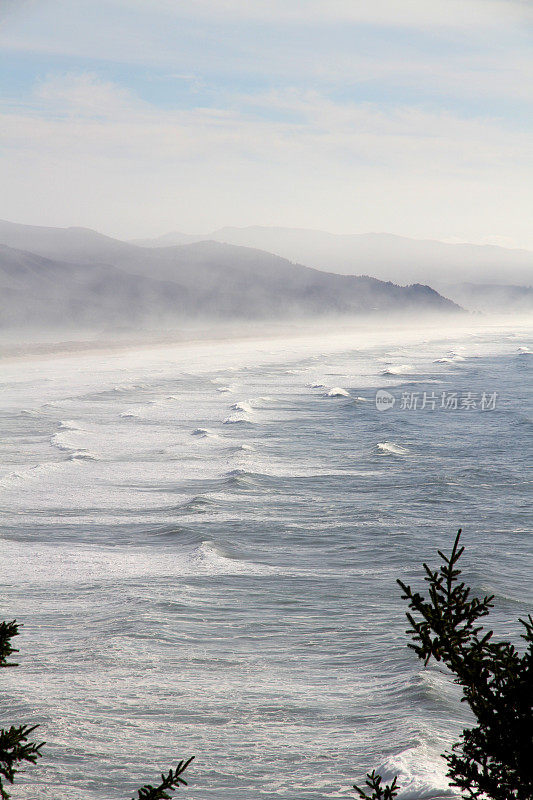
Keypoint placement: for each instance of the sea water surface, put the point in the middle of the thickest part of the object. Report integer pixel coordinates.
(202, 542)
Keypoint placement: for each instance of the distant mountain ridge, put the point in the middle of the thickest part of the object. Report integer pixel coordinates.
(385, 256)
(76, 275)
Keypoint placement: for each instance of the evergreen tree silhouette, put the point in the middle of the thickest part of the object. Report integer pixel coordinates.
(494, 759)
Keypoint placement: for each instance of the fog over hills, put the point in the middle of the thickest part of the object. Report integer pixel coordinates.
(40, 292)
(54, 276)
(384, 256)
(491, 298)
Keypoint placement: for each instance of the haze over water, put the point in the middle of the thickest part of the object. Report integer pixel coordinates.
(203, 541)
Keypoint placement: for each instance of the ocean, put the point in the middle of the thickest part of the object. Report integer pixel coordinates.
(202, 541)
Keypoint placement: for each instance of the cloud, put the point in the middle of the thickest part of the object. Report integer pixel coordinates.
(416, 13)
(101, 156)
(456, 49)
(270, 126)
(84, 95)
(409, 117)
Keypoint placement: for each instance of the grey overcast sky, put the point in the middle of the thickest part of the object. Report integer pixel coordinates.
(137, 117)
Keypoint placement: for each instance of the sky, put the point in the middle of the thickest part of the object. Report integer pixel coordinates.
(139, 117)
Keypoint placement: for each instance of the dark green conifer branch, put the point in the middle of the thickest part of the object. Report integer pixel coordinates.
(168, 782)
(15, 747)
(373, 781)
(493, 760)
(7, 631)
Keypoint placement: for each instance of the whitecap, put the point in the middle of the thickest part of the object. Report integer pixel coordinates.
(392, 449)
(83, 455)
(62, 442)
(200, 432)
(211, 559)
(240, 477)
(421, 772)
(68, 425)
(338, 391)
(61, 566)
(401, 369)
(35, 471)
(245, 407)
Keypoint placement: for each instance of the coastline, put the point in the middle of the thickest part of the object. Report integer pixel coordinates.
(116, 342)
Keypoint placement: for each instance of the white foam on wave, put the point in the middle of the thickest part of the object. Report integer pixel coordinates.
(238, 420)
(421, 772)
(451, 358)
(68, 425)
(240, 477)
(392, 449)
(36, 472)
(64, 441)
(401, 369)
(83, 455)
(243, 406)
(205, 433)
(200, 432)
(71, 439)
(66, 565)
(243, 416)
(338, 391)
(210, 559)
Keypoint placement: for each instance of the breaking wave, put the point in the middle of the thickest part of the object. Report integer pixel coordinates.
(83, 455)
(245, 407)
(392, 449)
(401, 369)
(63, 442)
(68, 425)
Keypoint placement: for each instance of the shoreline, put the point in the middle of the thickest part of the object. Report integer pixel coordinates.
(33, 349)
